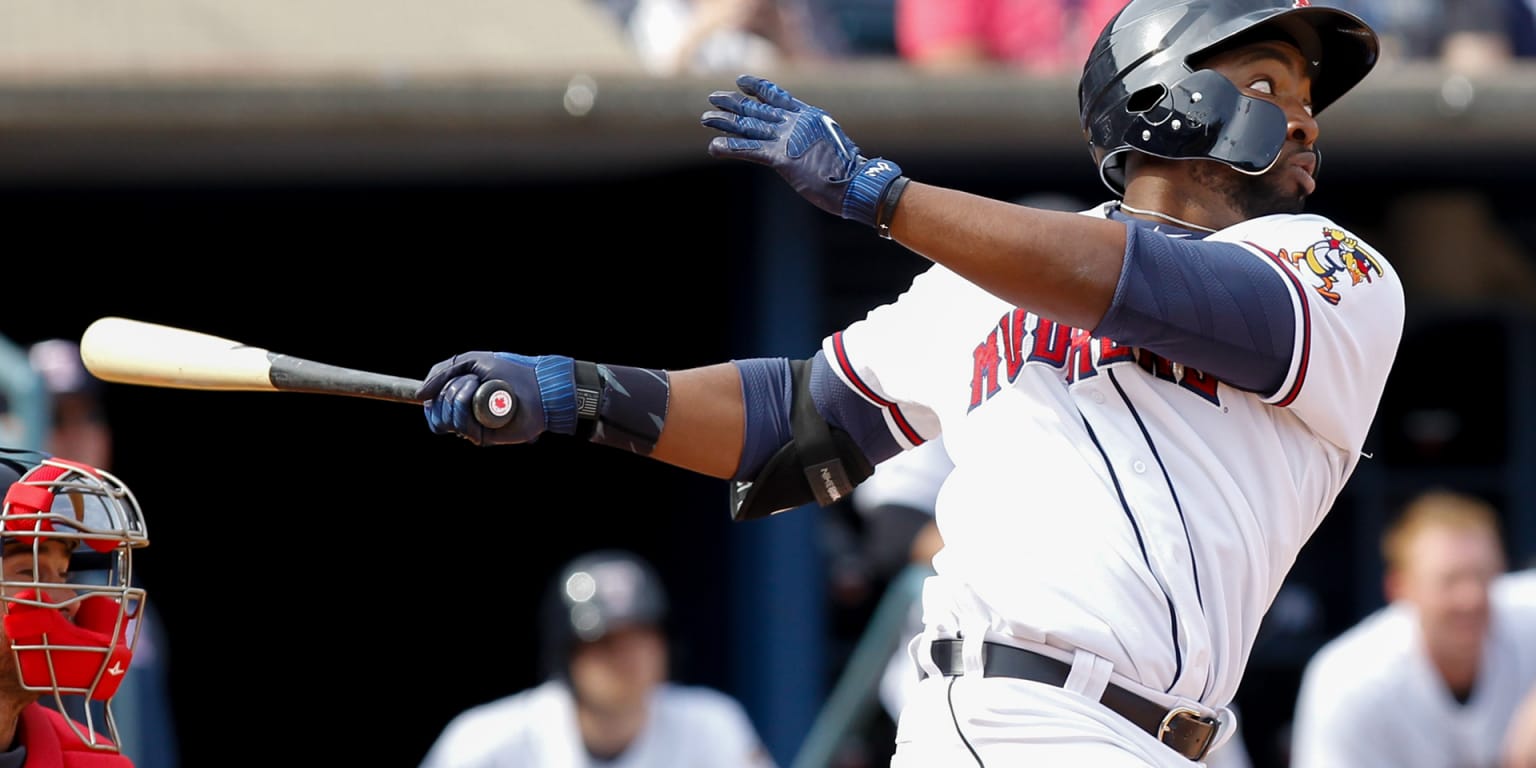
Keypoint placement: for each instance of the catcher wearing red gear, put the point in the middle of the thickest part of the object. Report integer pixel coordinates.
(64, 637)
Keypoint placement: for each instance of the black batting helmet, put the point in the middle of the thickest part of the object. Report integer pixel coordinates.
(593, 595)
(1142, 88)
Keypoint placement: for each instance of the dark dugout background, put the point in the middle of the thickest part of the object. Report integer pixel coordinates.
(327, 568)
(315, 554)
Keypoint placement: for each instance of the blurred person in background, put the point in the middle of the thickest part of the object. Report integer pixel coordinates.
(1044, 37)
(1466, 36)
(1520, 740)
(1519, 747)
(683, 37)
(1522, 33)
(607, 700)
(1434, 677)
(19, 386)
(78, 425)
(898, 501)
(79, 429)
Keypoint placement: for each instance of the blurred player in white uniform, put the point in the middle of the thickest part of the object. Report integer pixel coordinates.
(1432, 679)
(1151, 404)
(1519, 747)
(607, 702)
(906, 485)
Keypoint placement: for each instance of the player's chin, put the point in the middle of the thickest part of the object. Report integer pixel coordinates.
(1279, 191)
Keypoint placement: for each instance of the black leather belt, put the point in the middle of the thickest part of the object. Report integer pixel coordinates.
(1182, 729)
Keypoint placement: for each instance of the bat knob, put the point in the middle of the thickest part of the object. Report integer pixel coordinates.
(495, 405)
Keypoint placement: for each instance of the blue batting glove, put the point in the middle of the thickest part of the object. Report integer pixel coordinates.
(765, 125)
(545, 388)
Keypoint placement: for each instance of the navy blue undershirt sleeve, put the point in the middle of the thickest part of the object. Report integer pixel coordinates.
(1211, 306)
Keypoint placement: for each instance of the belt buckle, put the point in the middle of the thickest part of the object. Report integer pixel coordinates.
(1167, 724)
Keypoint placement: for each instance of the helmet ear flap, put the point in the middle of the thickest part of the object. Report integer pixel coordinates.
(1205, 116)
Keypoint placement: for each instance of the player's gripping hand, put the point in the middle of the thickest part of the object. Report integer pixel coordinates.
(545, 388)
(763, 124)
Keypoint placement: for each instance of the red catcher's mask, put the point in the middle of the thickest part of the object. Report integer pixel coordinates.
(74, 636)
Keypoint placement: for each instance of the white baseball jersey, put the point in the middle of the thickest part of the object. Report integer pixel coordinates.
(1109, 502)
(1371, 696)
(912, 478)
(690, 727)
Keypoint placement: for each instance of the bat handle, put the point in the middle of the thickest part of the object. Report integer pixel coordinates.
(495, 404)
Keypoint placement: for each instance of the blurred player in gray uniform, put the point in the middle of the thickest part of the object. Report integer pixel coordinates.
(607, 702)
(1151, 404)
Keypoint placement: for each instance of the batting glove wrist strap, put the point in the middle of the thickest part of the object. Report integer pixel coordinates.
(631, 406)
(556, 375)
(867, 190)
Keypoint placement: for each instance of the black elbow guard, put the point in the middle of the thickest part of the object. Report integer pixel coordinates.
(820, 462)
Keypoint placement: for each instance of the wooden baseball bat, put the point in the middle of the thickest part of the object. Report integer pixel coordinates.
(127, 351)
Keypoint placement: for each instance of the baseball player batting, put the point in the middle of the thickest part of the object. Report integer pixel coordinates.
(1150, 404)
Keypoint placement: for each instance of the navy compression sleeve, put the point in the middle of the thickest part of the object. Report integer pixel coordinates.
(767, 387)
(1211, 306)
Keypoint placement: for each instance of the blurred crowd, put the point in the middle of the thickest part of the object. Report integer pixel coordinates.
(1039, 37)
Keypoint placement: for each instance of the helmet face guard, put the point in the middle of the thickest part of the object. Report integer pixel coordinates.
(1203, 116)
(72, 638)
(1139, 84)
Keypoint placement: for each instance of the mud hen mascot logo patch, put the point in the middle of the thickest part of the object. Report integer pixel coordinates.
(1333, 257)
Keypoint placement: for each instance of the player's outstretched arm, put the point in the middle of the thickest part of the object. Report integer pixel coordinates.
(1059, 264)
(705, 421)
(690, 418)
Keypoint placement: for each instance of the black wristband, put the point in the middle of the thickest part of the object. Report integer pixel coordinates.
(887, 207)
(631, 407)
